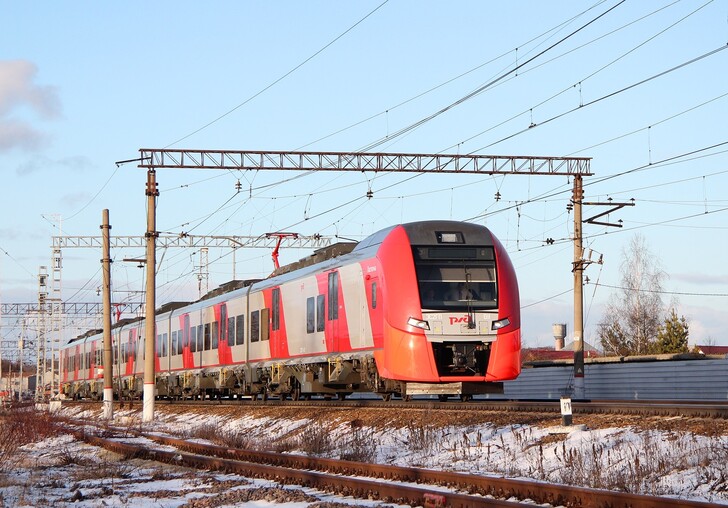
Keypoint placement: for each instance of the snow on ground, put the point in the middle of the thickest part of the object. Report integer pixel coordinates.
(60, 471)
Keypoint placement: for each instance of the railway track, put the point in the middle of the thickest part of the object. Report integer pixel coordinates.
(713, 409)
(403, 485)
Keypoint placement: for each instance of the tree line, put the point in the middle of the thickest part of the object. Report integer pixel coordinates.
(636, 321)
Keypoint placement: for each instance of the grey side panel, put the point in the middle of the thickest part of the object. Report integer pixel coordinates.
(661, 380)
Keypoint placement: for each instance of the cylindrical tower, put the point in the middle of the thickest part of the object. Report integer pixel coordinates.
(559, 331)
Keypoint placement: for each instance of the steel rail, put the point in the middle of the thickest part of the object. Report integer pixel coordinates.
(343, 477)
(540, 492)
(703, 409)
(331, 482)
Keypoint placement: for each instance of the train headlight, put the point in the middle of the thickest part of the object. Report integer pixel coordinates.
(497, 325)
(418, 323)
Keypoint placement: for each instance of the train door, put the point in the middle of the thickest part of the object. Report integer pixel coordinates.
(129, 352)
(93, 364)
(374, 308)
(188, 359)
(63, 362)
(332, 312)
(278, 336)
(225, 354)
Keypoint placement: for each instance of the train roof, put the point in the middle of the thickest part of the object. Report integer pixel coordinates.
(420, 233)
(318, 256)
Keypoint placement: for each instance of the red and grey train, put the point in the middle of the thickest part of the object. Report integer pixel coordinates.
(427, 307)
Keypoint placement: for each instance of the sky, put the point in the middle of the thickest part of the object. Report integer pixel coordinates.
(641, 88)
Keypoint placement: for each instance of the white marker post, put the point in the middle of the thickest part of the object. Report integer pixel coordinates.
(566, 411)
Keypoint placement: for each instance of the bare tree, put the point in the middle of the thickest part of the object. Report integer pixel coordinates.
(633, 317)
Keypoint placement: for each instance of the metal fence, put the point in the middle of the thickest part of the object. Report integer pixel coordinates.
(658, 380)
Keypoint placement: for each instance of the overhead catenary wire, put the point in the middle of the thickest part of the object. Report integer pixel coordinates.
(582, 80)
(389, 109)
(524, 62)
(604, 97)
(480, 89)
(644, 81)
(662, 292)
(281, 78)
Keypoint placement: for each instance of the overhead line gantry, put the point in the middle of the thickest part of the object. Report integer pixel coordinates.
(353, 161)
(174, 158)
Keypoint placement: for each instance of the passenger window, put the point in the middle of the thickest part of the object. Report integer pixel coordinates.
(374, 295)
(276, 308)
(320, 313)
(193, 339)
(215, 334)
(208, 341)
(231, 331)
(264, 324)
(200, 342)
(240, 330)
(255, 326)
(310, 315)
(174, 343)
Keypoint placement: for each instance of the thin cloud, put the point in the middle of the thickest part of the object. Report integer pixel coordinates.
(700, 278)
(16, 134)
(17, 93)
(76, 164)
(10, 233)
(17, 89)
(75, 199)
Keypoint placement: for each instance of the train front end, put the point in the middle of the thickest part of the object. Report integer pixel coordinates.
(452, 325)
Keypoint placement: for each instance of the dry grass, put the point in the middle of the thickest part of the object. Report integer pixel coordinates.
(21, 426)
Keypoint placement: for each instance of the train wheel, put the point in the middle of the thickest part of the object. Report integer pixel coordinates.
(466, 398)
(341, 396)
(386, 397)
(407, 398)
(296, 394)
(442, 398)
(265, 396)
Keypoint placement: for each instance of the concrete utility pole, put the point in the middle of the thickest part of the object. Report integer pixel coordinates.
(580, 263)
(106, 290)
(40, 367)
(149, 329)
(578, 293)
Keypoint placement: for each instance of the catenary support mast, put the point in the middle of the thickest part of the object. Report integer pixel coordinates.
(106, 290)
(149, 321)
(578, 292)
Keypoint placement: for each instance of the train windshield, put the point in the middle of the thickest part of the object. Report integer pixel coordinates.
(456, 278)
